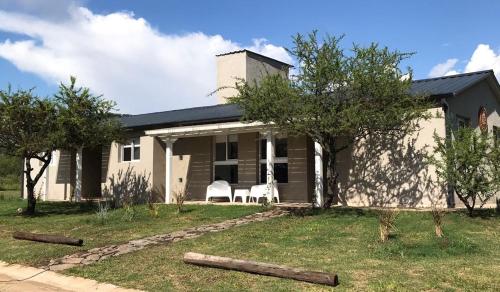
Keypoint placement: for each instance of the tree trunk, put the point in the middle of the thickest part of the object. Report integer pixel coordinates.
(470, 208)
(333, 175)
(261, 268)
(48, 238)
(31, 183)
(30, 189)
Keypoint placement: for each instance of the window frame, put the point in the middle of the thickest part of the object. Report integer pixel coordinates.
(461, 119)
(227, 161)
(496, 135)
(277, 160)
(132, 145)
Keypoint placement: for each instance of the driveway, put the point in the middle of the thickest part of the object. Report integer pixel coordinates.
(22, 278)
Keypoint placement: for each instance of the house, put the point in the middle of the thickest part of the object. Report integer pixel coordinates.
(190, 148)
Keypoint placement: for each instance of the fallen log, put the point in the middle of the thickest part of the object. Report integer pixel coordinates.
(261, 268)
(48, 238)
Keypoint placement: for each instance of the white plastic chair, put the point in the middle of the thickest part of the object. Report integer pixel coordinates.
(259, 191)
(219, 189)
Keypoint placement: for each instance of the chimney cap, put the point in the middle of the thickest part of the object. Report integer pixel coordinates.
(255, 55)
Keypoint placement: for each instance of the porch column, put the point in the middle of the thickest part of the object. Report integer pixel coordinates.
(318, 175)
(270, 165)
(169, 143)
(78, 175)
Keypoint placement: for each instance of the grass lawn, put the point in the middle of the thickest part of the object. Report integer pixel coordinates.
(80, 220)
(9, 195)
(342, 240)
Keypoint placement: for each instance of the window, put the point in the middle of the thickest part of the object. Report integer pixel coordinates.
(226, 158)
(132, 150)
(280, 160)
(462, 122)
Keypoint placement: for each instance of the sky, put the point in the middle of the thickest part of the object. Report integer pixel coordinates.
(160, 55)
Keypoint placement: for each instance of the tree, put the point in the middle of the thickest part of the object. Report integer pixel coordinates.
(86, 120)
(336, 96)
(28, 127)
(469, 164)
(31, 127)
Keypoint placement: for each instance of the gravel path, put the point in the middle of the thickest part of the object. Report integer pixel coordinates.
(98, 254)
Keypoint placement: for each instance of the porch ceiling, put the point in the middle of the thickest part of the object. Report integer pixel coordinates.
(208, 130)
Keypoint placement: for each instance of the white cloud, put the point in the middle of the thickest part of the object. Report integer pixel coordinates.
(483, 58)
(122, 57)
(443, 68)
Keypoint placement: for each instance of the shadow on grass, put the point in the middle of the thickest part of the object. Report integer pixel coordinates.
(62, 208)
(333, 212)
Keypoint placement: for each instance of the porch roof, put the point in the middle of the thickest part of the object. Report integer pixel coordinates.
(208, 130)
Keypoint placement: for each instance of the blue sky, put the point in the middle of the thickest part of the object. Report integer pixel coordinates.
(161, 52)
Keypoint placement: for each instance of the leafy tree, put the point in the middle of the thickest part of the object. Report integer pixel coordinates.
(469, 164)
(86, 120)
(28, 129)
(32, 127)
(336, 96)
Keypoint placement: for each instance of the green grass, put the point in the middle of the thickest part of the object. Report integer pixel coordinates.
(80, 220)
(342, 240)
(9, 195)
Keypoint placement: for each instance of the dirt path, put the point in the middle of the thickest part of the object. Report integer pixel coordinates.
(22, 278)
(98, 254)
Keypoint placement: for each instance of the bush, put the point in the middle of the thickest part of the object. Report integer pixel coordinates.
(469, 163)
(179, 198)
(387, 219)
(437, 217)
(102, 212)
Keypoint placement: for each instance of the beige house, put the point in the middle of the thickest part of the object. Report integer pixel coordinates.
(190, 148)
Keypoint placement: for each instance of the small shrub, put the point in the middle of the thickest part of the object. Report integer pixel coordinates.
(498, 205)
(2, 197)
(437, 217)
(153, 209)
(386, 218)
(179, 198)
(130, 213)
(102, 212)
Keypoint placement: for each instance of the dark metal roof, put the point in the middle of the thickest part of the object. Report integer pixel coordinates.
(189, 116)
(448, 85)
(433, 87)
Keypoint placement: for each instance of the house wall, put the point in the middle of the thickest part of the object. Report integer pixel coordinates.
(392, 171)
(152, 158)
(192, 166)
(467, 105)
(55, 184)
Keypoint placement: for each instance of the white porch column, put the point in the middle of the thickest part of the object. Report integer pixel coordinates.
(168, 169)
(318, 175)
(270, 165)
(78, 175)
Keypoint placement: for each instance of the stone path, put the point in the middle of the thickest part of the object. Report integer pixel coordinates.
(21, 278)
(98, 254)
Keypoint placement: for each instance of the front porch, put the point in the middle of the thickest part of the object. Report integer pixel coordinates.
(244, 155)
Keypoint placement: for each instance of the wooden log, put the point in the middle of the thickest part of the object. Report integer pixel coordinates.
(48, 238)
(261, 268)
